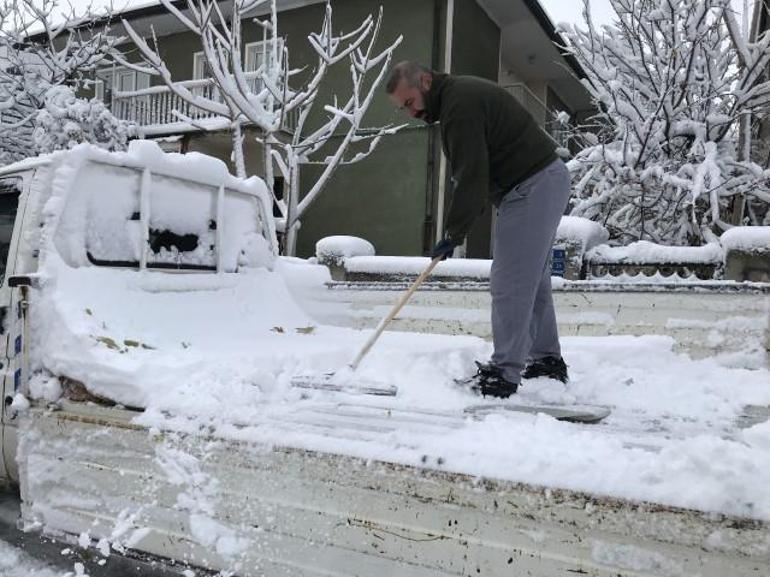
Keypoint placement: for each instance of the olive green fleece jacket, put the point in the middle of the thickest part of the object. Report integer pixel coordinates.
(491, 142)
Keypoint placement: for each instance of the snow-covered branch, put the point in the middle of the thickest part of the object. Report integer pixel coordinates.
(43, 47)
(673, 80)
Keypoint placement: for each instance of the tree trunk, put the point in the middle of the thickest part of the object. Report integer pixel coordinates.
(292, 222)
(238, 159)
(738, 204)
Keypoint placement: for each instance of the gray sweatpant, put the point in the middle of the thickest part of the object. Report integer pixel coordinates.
(523, 318)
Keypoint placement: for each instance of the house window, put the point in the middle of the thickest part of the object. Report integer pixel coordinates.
(99, 89)
(201, 72)
(199, 66)
(118, 79)
(256, 56)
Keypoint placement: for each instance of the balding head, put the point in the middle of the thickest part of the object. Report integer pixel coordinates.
(410, 72)
(408, 87)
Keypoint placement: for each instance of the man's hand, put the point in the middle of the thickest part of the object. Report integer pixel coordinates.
(444, 248)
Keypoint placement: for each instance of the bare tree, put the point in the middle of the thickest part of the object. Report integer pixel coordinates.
(267, 97)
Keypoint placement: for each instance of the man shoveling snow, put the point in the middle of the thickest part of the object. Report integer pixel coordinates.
(495, 147)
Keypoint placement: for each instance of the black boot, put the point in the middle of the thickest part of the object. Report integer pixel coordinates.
(550, 367)
(490, 382)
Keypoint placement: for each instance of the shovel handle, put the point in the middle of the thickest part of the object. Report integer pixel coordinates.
(393, 312)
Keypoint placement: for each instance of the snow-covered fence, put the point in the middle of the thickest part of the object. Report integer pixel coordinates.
(580, 252)
(649, 259)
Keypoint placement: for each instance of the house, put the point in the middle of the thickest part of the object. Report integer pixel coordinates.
(397, 197)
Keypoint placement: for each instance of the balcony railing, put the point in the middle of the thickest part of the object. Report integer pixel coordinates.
(156, 108)
(544, 117)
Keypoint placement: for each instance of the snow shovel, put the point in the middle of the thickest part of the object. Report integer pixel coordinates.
(331, 381)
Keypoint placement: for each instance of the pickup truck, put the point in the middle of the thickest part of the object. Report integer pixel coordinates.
(284, 491)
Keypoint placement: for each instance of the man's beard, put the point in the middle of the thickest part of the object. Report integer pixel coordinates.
(424, 114)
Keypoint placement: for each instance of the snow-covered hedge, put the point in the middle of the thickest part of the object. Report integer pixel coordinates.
(582, 232)
(747, 239)
(67, 121)
(644, 252)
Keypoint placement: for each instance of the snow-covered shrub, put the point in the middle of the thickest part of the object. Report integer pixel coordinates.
(673, 82)
(335, 249)
(747, 239)
(581, 232)
(69, 45)
(66, 121)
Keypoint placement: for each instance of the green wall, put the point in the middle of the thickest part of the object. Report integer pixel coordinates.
(382, 198)
(475, 52)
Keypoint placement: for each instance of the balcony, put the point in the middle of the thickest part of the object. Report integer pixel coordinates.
(155, 108)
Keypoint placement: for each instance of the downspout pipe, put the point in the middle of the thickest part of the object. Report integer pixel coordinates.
(446, 67)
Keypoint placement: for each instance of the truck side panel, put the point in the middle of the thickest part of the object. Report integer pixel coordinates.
(275, 511)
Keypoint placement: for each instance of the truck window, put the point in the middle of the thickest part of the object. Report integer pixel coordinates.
(103, 215)
(10, 188)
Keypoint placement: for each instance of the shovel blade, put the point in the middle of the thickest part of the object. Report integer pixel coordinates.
(327, 383)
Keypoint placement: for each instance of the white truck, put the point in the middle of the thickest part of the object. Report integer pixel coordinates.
(102, 463)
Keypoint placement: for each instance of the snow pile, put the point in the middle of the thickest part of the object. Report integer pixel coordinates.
(582, 232)
(747, 239)
(95, 213)
(335, 249)
(645, 252)
(414, 265)
(672, 437)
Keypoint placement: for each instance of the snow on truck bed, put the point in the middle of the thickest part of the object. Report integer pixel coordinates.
(216, 351)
